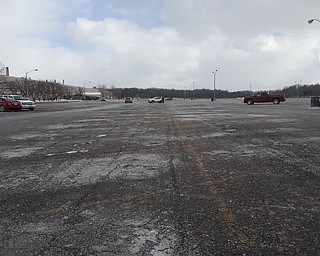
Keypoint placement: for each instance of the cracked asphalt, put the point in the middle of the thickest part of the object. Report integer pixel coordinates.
(179, 178)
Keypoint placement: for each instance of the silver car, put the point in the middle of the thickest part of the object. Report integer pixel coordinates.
(158, 99)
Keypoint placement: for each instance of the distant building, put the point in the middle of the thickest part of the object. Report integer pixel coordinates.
(92, 94)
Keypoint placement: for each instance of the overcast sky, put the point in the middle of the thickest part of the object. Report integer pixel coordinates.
(267, 44)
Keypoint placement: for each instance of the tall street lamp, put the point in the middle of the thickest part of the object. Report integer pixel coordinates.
(298, 87)
(193, 89)
(214, 84)
(84, 89)
(312, 20)
(309, 21)
(27, 80)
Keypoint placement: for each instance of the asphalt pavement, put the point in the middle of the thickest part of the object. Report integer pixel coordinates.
(179, 178)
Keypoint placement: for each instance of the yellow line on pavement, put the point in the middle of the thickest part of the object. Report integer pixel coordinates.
(228, 216)
(125, 198)
(56, 210)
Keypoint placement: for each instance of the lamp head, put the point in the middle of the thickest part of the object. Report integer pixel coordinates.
(310, 21)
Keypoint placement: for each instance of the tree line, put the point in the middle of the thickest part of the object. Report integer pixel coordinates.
(51, 90)
(293, 91)
(39, 90)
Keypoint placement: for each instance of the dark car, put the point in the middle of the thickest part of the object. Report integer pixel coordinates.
(128, 100)
(9, 104)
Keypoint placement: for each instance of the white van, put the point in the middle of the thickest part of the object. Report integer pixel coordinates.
(26, 103)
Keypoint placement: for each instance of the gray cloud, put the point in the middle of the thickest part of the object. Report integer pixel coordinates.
(267, 43)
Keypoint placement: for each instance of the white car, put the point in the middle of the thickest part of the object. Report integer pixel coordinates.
(26, 103)
(158, 99)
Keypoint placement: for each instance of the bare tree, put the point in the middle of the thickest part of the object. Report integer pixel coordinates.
(2, 68)
(68, 92)
(103, 91)
(79, 92)
(2, 78)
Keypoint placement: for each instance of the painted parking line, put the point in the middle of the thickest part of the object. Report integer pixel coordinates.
(119, 199)
(127, 198)
(228, 216)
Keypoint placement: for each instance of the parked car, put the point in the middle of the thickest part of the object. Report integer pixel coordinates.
(128, 100)
(168, 98)
(9, 104)
(26, 103)
(263, 97)
(158, 99)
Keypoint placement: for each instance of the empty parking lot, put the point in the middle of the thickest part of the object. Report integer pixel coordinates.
(178, 178)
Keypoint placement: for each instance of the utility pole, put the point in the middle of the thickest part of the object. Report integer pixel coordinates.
(193, 90)
(26, 80)
(214, 85)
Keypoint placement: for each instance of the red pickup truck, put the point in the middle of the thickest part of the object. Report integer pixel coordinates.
(263, 97)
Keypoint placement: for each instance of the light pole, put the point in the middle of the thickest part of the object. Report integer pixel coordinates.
(309, 21)
(214, 84)
(193, 89)
(84, 89)
(312, 20)
(298, 87)
(27, 89)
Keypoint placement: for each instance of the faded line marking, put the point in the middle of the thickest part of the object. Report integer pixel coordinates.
(125, 198)
(57, 210)
(229, 217)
